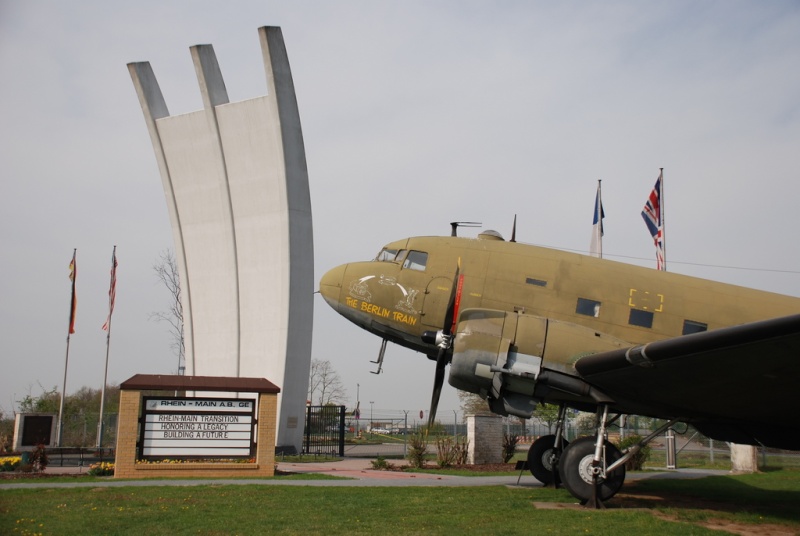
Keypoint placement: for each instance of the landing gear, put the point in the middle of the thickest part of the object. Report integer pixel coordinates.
(592, 469)
(545, 452)
(586, 479)
(543, 459)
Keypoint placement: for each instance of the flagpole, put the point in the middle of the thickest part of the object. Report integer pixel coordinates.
(107, 325)
(61, 404)
(663, 221)
(70, 330)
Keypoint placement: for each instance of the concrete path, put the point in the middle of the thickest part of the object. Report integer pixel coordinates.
(354, 472)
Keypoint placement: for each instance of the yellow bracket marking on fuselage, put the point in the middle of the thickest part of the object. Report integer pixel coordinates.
(630, 297)
(645, 303)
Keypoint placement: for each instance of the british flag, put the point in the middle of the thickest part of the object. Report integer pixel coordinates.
(654, 219)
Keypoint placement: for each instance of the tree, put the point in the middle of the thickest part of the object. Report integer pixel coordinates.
(167, 271)
(546, 414)
(81, 412)
(324, 384)
(6, 432)
(47, 402)
(472, 404)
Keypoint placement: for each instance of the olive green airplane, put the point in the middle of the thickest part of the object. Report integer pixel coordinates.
(522, 325)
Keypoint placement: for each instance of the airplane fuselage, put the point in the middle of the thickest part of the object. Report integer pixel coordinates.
(405, 291)
(520, 325)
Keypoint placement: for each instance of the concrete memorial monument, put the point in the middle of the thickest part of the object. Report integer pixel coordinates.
(236, 185)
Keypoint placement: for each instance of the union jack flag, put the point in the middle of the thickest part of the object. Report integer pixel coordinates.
(654, 219)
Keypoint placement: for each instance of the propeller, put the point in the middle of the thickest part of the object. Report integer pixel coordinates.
(444, 340)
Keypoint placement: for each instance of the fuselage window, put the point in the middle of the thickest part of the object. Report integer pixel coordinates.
(690, 326)
(386, 255)
(641, 318)
(588, 307)
(537, 282)
(416, 260)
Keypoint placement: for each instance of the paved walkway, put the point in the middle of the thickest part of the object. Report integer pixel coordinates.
(354, 472)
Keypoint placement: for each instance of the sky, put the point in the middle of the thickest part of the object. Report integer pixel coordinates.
(414, 114)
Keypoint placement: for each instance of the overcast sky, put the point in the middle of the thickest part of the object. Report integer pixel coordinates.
(414, 115)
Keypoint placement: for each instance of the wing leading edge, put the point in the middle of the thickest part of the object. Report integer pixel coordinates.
(736, 384)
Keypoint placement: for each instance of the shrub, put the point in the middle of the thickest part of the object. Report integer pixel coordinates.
(38, 459)
(418, 448)
(451, 452)
(380, 463)
(509, 446)
(636, 463)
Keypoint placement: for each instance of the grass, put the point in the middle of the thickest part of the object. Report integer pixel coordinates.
(683, 506)
(722, 460)
(767, 497)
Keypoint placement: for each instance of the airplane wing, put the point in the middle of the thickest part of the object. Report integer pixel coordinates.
(738, 384)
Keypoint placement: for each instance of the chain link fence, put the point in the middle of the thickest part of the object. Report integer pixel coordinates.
(381, 432)
(390, 430)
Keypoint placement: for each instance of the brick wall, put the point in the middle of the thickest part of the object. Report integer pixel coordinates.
(485, 434)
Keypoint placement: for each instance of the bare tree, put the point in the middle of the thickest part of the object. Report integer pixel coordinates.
(167, 271)
(324, 384)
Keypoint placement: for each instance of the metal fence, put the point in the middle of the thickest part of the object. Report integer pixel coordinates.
(330, 431)
(385, 433)
(324, 431)
(78, 456)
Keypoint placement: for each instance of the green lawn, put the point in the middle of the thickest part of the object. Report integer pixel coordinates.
(682, 507)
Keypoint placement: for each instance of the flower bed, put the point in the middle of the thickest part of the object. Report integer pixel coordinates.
(10, 463)
(102, 469)
(198, 460)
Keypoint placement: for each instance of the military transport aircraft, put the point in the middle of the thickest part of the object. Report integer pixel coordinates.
(522, 325)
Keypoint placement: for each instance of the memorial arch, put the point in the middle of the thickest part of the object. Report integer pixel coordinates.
(236, 186)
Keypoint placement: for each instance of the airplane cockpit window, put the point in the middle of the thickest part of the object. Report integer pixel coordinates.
(416, 260)
(386, 255)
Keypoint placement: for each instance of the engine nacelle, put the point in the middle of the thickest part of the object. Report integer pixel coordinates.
(499, 355)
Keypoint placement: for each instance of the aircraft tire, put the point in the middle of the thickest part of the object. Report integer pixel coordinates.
(541, 461)
(574, 468)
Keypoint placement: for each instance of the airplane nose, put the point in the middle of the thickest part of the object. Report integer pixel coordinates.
(330, 286)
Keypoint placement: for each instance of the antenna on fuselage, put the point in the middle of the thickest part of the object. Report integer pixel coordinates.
(514, 230)
(456, 224)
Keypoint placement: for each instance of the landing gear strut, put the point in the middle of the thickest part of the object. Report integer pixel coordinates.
(583, 468)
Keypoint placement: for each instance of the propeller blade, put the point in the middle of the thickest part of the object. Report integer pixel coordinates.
(443, 358)
(438, 381)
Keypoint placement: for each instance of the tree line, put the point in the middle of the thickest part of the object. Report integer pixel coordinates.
(81, 414)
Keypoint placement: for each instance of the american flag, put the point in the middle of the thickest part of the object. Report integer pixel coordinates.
(112, 291)
(654, 219)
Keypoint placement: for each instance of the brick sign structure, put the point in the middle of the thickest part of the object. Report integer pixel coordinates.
(188, 429)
